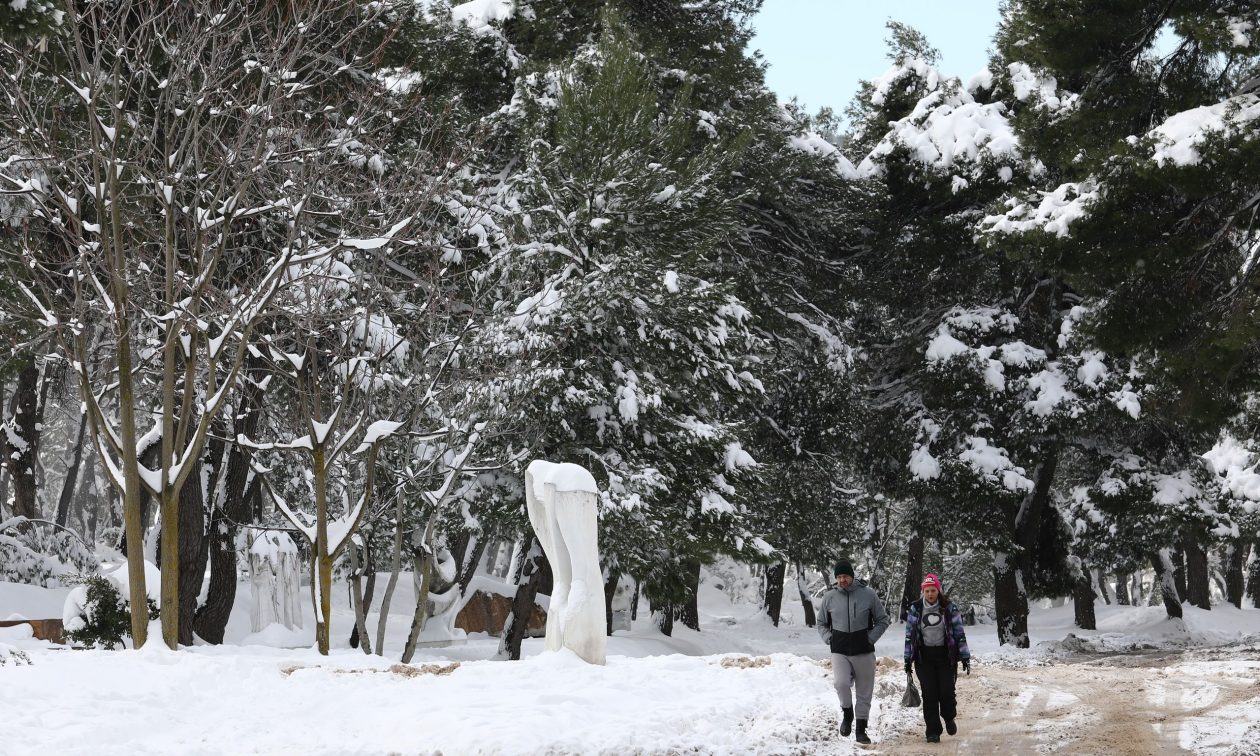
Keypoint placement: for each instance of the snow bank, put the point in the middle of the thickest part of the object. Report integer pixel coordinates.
(21, 601)
(299, 702)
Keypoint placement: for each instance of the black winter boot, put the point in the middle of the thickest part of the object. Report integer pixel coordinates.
(860, 737)
(951, 727)
(846, 724)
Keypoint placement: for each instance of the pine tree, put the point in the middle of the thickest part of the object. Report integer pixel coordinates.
(1148, 178)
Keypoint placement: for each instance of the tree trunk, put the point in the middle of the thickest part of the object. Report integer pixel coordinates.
(689, 612)
(806, 604)
(1010, 570)
(1122, 589)
(192, 549)
(471, 557)
(21, 448)
(1166, 580)
(1179, 571)
(1100, 586)
(663, 616)
(914, 573)
(369, 567)
(774, 591)
(86, 513)
(423, 567)
(240, 492)
(4, 452)
(610, 591)
(532, 568)
(1235, 560)
(1253, 576)
(1083, 599)
(1010, 601)
(356, 599)
(322, 556)
(72, 476)
(1198, 581)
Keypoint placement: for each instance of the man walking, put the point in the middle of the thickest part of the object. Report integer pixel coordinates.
(851, 619)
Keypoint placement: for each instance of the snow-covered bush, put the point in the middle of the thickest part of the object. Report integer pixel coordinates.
(96, 615)
(12, 653)
(38, 553)
(736, 580)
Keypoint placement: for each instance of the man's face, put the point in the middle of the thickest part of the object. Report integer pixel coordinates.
(844, 581)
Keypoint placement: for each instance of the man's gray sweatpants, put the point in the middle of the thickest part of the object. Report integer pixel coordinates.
(847, 671)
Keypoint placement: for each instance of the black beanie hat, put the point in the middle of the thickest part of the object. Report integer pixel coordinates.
(844, 567)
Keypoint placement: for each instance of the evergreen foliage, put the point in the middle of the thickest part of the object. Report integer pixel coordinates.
(104, 617)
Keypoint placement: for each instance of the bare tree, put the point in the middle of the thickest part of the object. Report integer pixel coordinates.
(165, 140)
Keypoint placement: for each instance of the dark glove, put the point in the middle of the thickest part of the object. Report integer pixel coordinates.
(966, 666)
(909, 667)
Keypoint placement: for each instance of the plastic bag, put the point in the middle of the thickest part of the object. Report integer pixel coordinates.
(911, 699)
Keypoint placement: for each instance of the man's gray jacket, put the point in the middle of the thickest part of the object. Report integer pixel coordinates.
(851, 620)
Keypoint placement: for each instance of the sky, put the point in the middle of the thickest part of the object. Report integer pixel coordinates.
(818, 50)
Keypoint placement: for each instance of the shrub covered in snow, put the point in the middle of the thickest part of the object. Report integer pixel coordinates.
(96, 615)
(38, 553)
(12, 654)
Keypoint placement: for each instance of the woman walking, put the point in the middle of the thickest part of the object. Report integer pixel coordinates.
(935, 644)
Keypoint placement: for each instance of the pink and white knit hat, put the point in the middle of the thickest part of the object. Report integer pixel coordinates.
(931, 580)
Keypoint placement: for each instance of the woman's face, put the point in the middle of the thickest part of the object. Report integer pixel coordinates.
(930, 593)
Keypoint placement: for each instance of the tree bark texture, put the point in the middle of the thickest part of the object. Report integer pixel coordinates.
(369, 590)
(1166, 582)
(1122, 589)
(533, 568)
(807, 604)
(1198, 580)
(21, 444)
(1235, 580)
(1083, 600)
(610, 591)
(240, 492)
(914, 573)
(72, 476)
(357, 599)
(689, 612)
(663, 617)
(1100, 586)
(1010, 595)
(774, 591)
(1179, 571)
(1253, 576)
(1010, 602)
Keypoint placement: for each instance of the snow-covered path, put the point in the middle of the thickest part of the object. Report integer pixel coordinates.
(1119, 705)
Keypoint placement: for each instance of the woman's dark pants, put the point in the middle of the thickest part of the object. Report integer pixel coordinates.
(936, 680)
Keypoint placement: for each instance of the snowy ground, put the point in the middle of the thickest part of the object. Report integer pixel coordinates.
(740, 686)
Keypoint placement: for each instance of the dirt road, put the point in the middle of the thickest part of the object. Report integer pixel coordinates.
(1118, 705)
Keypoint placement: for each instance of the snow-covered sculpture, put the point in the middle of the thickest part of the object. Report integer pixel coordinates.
(561, 499)
(275, 580)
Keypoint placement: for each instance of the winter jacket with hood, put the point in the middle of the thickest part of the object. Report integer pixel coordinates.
(955, 634)
(851, 619)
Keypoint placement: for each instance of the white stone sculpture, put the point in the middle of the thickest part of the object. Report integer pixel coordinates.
(561, 500)
(275, 580)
